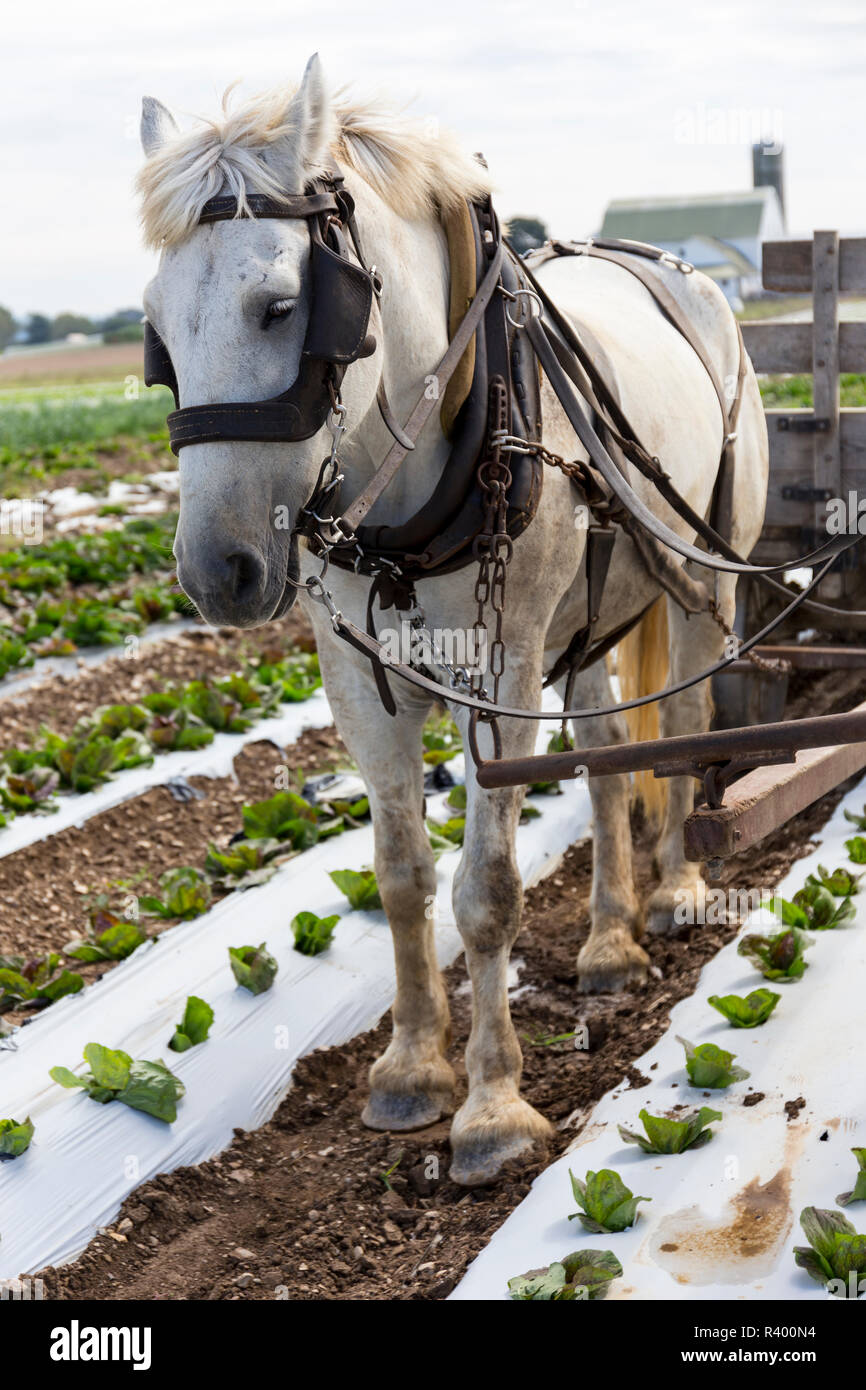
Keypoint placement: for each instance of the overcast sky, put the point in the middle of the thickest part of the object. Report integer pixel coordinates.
(573, 102)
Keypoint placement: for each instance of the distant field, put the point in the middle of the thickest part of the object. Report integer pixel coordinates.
(71, 364)
(36, 418)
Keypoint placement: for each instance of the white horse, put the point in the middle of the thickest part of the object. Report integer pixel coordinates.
(230, 301)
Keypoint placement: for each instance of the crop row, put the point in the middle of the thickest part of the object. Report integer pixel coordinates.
(41, 612)
(125, 735)
(38, 417)
(836, 1254)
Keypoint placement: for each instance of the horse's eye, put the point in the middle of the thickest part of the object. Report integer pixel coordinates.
(279, 309)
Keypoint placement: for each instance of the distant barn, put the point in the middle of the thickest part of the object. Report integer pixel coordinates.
(720, 233)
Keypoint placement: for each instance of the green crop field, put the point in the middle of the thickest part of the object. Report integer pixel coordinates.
(35, 417)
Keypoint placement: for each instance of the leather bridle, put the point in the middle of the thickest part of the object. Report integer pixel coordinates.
(342, 292)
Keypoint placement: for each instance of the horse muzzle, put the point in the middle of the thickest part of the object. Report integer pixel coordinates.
(236, 585)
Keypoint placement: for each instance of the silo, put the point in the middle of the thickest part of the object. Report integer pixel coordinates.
(768, 169)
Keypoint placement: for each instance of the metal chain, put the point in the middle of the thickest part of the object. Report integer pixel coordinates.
(492, 548)
(772, 667)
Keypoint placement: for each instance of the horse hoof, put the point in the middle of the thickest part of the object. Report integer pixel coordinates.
(481, 1145)
(666, 911)
(389, 1110)
(614, 964)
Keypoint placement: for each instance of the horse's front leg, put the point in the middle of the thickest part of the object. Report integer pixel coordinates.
(411, 1084)
(611, 959)
(494, 1123)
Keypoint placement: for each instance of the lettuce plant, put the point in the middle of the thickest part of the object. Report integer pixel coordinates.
(583, 1275)
(836, 1253)
(749, 1012)
(856, 847)
(216, 708)
(608, 1205)
(840, 882)
(446, 836)
(35, 981)
(859, 821)
(441, 740)
(819, 908)
(30, 791)
(194, 1026)
(666, 1136)
(15, 1136)
(296, 676)
(313, 934)
(286, 816)
(858, 1192)
(113, 1075)
(253, 968)
(186, 893)
(244, 864)
(710, 1067)
(360, 888)
(778, 957)
(109, 938)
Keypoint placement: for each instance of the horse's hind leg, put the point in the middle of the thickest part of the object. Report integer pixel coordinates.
(611, 959)
(695, 643)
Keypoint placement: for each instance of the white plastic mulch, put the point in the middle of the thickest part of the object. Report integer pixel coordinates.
(215, 760)
(724, 1218)
(86, 1158)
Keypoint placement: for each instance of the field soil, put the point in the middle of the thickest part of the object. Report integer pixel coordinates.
(67, 364)
(314, 1206)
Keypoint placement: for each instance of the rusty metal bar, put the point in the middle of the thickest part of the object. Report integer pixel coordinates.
(685, 754)
(766, 798)
(806, 658)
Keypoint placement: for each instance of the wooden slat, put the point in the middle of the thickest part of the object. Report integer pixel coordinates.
(787, 265)
(787, 347)
(827, 459)
(791, 463)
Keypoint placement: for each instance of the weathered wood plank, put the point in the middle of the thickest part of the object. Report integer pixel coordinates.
(787, 265)
(827, 458)
(787, 347)
(791, 463)
(768, 797)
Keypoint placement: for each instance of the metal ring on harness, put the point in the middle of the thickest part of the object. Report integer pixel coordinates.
(513, 296)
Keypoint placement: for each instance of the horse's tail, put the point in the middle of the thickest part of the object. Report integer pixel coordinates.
(642, 666)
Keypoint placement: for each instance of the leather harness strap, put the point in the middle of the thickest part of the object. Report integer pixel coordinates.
(488, 711)
(344, 526)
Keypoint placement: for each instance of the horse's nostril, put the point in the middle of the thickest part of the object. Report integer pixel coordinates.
(245, 573)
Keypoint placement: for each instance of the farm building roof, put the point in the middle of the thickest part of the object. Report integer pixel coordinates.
(724, 215)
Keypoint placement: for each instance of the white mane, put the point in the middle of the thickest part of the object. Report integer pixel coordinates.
(251, 150)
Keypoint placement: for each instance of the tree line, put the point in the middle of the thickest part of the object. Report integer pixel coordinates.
(124, 325)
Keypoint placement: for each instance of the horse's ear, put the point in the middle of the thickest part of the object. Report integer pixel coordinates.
(157, 125)
(311, 120)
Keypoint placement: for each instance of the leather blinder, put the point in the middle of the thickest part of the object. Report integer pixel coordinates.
(158, 366)
(341, 303)
(342, 298)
